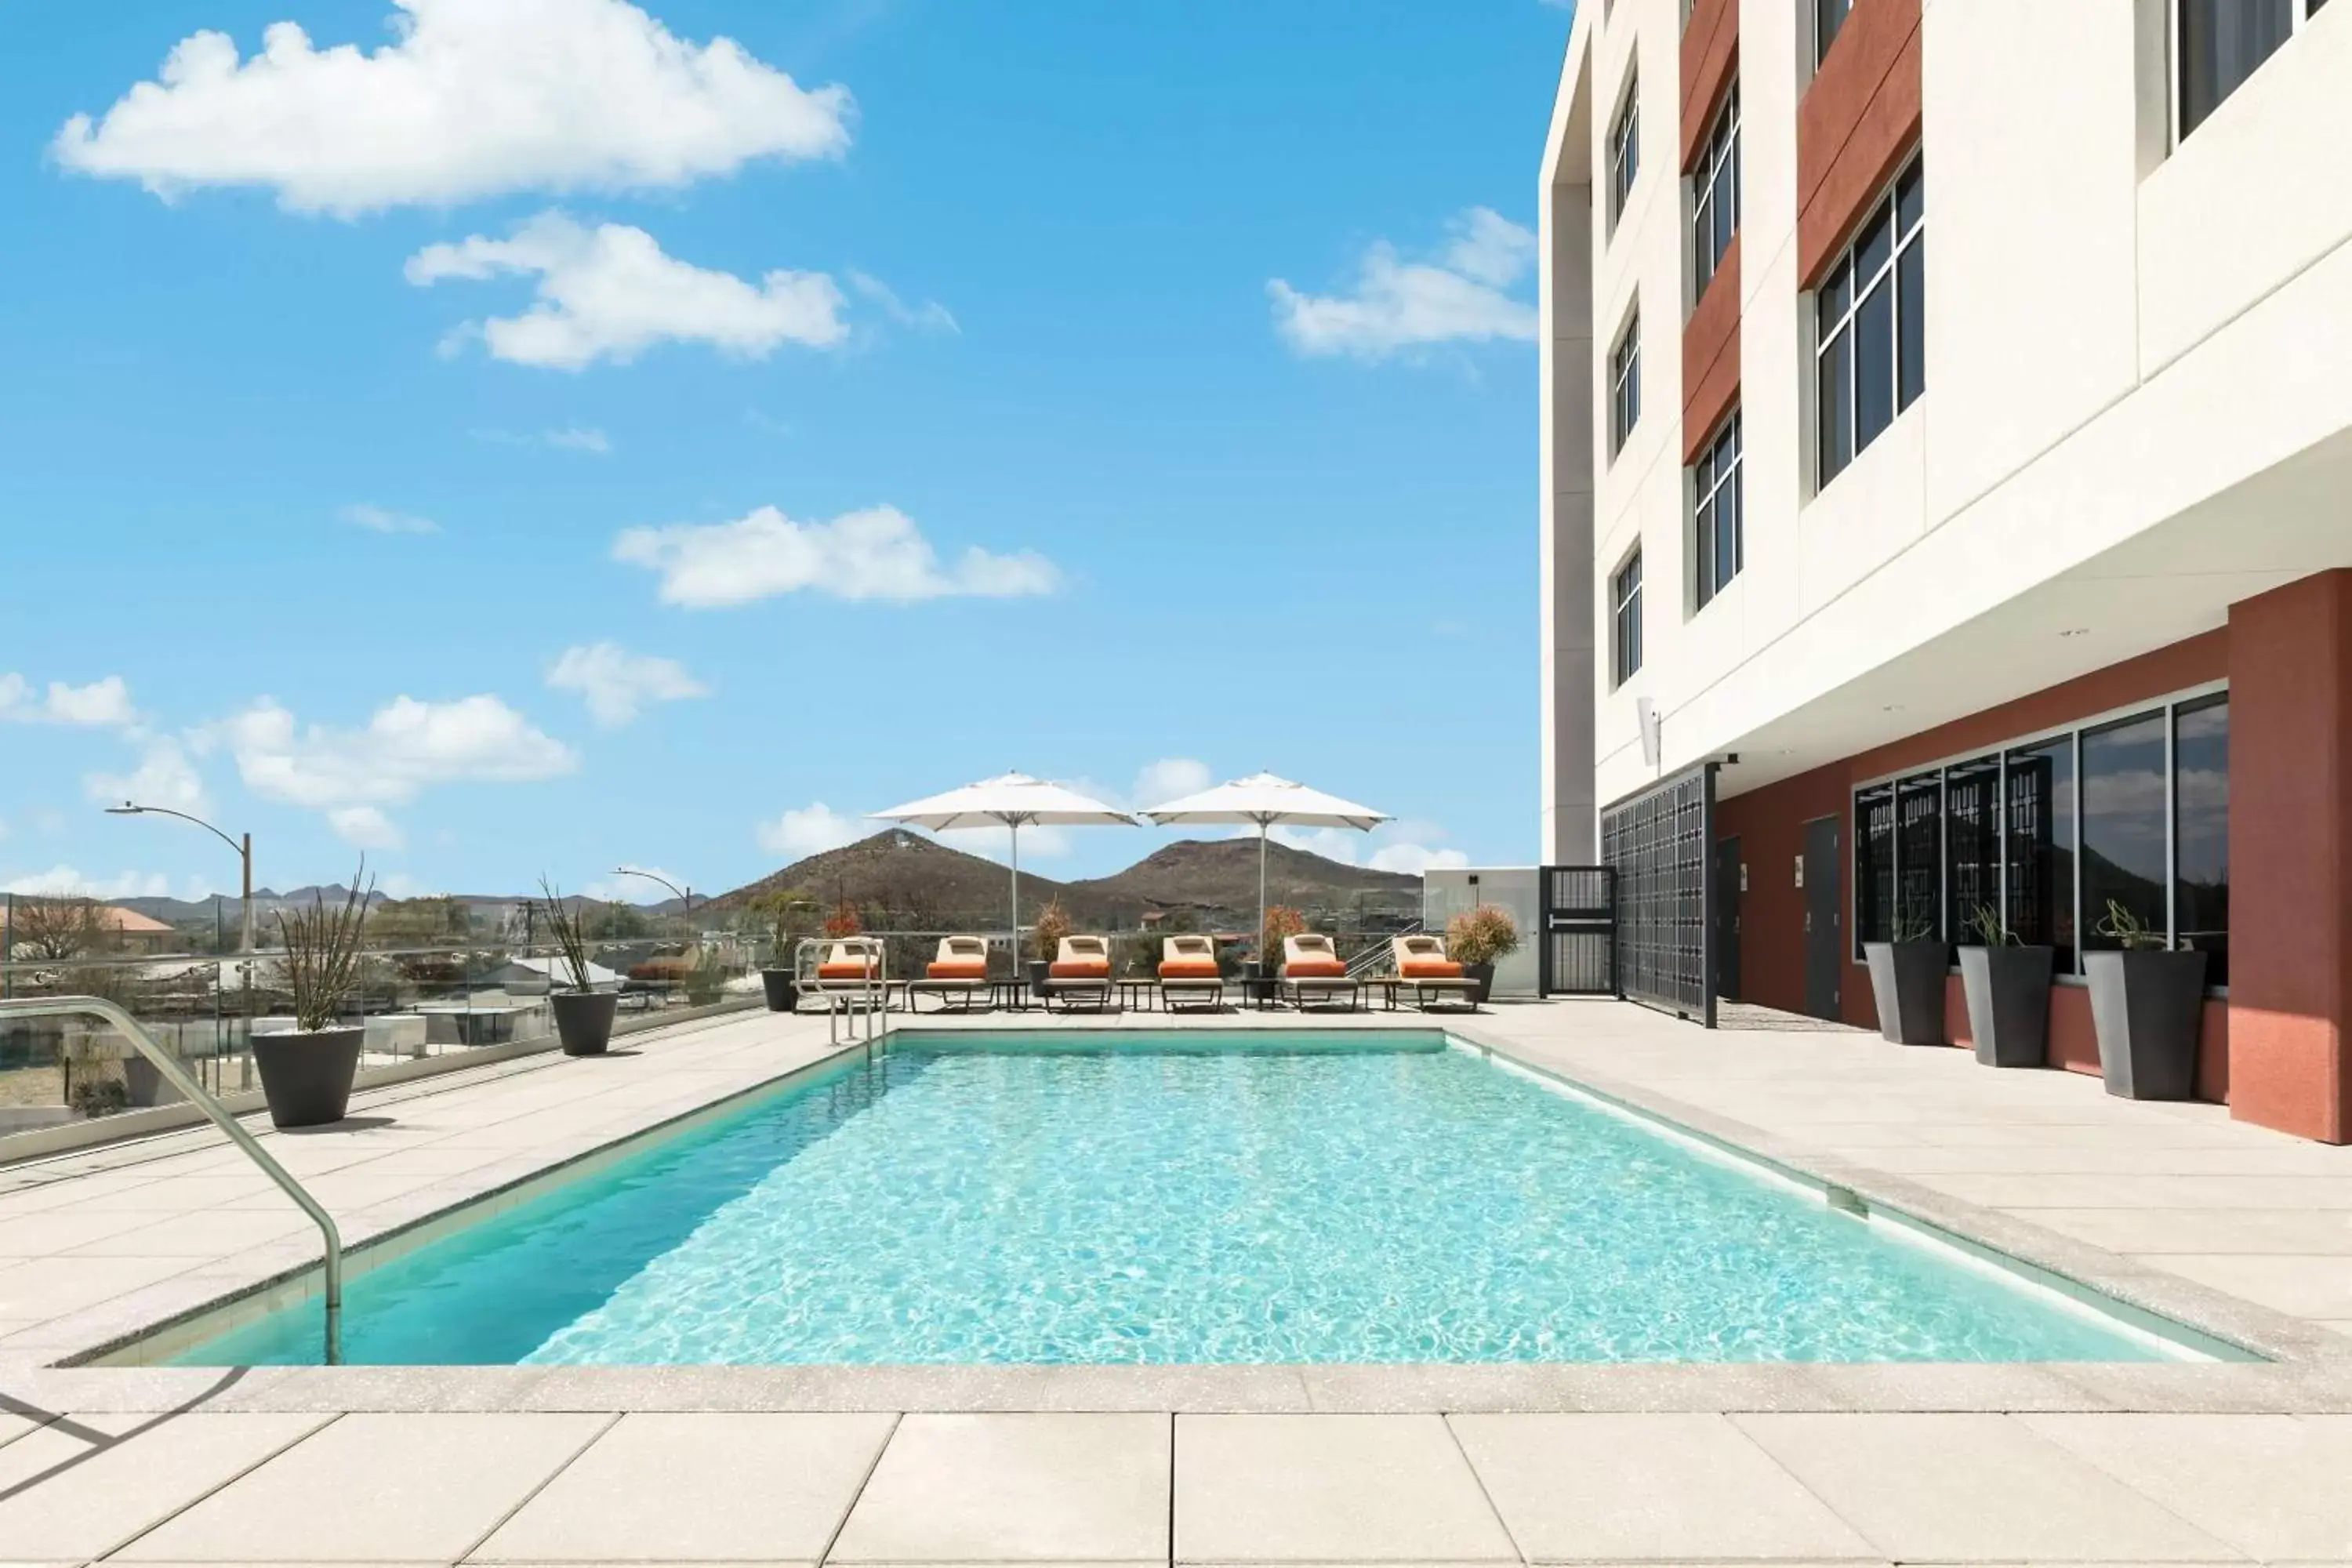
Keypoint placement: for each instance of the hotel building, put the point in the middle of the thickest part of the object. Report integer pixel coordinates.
(1947, 500)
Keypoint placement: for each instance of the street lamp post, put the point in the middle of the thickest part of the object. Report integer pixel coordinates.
(686, 895)
(242, 844)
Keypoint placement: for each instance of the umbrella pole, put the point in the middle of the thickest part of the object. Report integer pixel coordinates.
(1015, 826)
(1265, 961)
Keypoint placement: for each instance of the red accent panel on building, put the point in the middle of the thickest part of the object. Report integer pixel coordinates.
(1711, 354)
(1858, 120)
(1710, 54)
(2291, 855)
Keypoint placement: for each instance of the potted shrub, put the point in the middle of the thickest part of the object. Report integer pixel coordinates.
(1045, 944)
(2007, 983)
(1281, 921)
(584, 1014)
(780, 978)
(1906, 980)
(2148, 1007)
(307, 1072)
(1476, 937)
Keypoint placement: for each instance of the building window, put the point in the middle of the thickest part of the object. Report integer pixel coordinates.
(2200, 831)
(2148, 830)
(1625, 619)
(2221, 43)
(2038, 805)
(1714, 513)
(1625, 384)
(1829, 16)
(1715, 191)
(1870, 326)
(1624, 150)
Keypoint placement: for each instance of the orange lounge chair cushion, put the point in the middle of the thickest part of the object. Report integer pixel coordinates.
(1431, 969)
(1314, 968)
(1081, 969)
(851, 970)
(1187, 969)
(956, 969)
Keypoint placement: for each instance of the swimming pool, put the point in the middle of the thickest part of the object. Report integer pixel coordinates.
(1197, 1197)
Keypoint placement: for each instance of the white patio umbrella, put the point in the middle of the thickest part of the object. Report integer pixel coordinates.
(1265, 800)
(1013, 800)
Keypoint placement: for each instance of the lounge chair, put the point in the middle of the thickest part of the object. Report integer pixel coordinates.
(1080, 973)
(959, 973)
(1313, 972)
(1187, 969)
(1422, 968)
(849, 966)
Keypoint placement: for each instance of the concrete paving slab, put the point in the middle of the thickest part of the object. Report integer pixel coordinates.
(1329, 1488)
(2303, 1287)
(376, 1487)
(683, 1489)
(2275, 1486)
(1015, 1488)
(2151, 1232)
(83, 1485)
(1622, 1487)
(43, 1288)
(1967, 1488)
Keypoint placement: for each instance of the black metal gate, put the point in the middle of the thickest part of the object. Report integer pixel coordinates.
(1578, 956)
(1658, 843)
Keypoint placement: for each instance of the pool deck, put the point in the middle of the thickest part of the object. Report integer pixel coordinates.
(2243, 1233)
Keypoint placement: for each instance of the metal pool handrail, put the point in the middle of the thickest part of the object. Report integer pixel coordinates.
(179, 1078)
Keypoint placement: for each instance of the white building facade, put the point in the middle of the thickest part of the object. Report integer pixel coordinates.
(1948, 447)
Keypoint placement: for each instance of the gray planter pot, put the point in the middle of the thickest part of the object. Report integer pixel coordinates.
(307, 1078)
(783, 989)
(1482, 974)
(1907, 980)
(583, 1020)
(2147, 1007)
(2008, 989)
(147, 1085)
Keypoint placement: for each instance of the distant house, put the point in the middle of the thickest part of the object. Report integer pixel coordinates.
(530, 977)
(139, 933)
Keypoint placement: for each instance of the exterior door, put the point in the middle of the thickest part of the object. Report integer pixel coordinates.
(1824, 919)
(1727, 918)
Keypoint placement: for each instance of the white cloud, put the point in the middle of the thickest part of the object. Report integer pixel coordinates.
(473, 99)
(1398, 304)
(406, 747)
(812, 830)
(377, 519)
(876, 554)
(61, 881)
(1169, 778)
(617, 684)
(610, 293)
(101, 705)
(931, 316)
(165, 777)
(1403, 846)
(996, 843)
(579, 438)
(364, 827)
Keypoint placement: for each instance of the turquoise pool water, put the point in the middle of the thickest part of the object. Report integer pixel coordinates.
(1178, 1198)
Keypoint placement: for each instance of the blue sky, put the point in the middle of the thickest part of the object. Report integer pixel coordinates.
(522, 436)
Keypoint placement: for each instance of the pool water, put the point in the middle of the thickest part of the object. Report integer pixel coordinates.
(1138, 1198)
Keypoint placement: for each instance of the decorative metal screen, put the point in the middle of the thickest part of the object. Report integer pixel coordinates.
(1579, 957)
(1656, 843)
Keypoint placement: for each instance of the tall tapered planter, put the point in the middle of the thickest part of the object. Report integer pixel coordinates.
(583, 1020)
(2008, 991)
(306, 1076)
(2147, 1006)
(1906, 980)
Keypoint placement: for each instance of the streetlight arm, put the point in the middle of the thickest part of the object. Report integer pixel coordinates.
(632, 871)
(128, 809)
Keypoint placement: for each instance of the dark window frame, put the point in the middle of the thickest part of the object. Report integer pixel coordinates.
(2246, 55)
(1887, 252)
(1715, 194)
(1624, 150)
(1829, 18)
(1625, 384)
(1878, 832)
(1625, 619)
(1715, 483)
